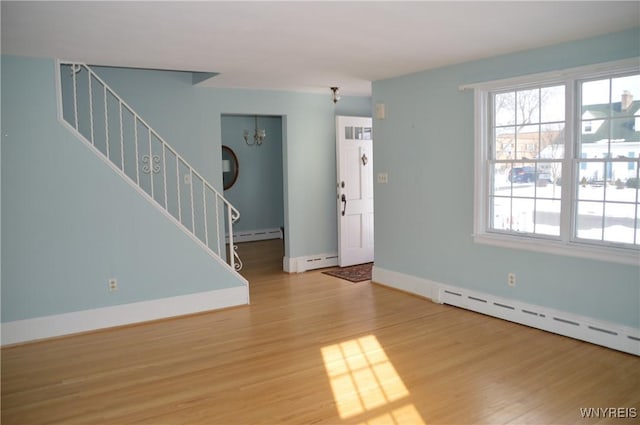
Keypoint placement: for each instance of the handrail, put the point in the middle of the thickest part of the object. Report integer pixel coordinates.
(151, 164)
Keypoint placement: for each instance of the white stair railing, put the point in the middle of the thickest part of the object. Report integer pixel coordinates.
(110, 127)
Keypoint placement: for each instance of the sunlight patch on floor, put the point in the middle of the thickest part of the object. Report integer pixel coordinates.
(364, 382)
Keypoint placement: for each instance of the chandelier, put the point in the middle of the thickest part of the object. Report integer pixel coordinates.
(258, 136)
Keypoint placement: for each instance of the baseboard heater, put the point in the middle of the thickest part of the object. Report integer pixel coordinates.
(310, 262)
(609, 335)
(317, 262)
(257, 235)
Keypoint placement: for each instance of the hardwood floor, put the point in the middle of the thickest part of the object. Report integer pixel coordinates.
(314, 349)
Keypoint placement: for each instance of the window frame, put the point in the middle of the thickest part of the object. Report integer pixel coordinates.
(567, 244)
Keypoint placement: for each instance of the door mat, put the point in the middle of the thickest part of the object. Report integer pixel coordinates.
(358, 273)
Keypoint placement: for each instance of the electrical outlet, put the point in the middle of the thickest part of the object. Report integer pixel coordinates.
(187, 179)
(511, 279)
(113, 285)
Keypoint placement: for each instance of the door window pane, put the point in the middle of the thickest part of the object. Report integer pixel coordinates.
(348, 133)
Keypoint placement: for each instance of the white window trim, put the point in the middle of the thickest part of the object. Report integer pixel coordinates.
(564, 245)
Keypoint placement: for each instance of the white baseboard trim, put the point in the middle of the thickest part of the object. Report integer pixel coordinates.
(405, 282)
(89, 320)
(588, 329)
(310, 262)
(256, 235)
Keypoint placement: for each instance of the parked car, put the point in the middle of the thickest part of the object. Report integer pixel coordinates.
(527, 175)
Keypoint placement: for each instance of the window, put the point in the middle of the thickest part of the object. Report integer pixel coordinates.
(555, 164)
(523, 196)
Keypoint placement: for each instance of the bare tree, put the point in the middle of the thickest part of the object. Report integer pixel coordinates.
(525, 105)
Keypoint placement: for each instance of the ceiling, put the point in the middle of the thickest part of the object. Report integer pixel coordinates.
(299, 46)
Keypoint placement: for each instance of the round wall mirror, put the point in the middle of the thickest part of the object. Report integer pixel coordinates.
(230, 167)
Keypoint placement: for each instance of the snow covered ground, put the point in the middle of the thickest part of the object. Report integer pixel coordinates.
(604, 212)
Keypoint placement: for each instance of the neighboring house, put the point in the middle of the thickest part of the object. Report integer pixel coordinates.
(598, 140)
(625, 129)
(625, 141)
(527, 145)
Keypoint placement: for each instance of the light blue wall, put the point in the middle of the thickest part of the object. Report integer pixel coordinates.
(69, 223)
(189, 118)
(258, 191)
(424, 215)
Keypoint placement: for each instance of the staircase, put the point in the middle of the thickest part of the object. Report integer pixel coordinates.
(104, 122)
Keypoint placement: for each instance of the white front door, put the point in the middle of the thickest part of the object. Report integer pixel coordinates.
(354, 149)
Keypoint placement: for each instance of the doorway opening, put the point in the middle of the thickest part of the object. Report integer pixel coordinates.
(257, 190)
